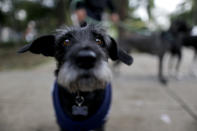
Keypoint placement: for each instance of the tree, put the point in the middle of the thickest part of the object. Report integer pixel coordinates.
(47, 18)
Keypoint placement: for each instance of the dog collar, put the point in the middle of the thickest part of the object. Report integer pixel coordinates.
(95, 121)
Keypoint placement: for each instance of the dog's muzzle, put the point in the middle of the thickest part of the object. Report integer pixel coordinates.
(86, 71)
(85, 59)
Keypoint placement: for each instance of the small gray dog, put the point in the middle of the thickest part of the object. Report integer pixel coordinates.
(82, 90)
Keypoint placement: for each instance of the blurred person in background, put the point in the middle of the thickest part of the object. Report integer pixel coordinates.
(91, 11)
(30, 31)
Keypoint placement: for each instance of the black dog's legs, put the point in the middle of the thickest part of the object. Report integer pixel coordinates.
(162, 79)
(193, 64)
(170, 65)
(195, 55)
(178, 63)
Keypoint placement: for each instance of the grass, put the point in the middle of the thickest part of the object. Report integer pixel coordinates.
(10, 59)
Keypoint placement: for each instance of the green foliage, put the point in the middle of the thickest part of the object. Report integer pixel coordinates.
(35, 10)
(135, 24)
(47, 18)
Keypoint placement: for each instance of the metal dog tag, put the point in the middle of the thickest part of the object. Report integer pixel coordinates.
(80, 110)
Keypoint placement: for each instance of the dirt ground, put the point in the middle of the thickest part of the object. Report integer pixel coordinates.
(140, 103)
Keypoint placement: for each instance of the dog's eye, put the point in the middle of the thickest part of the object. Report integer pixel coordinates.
(99, 41)
(66, 42)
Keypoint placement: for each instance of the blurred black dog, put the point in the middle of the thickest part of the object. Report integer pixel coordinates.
(82, 91)
(151, 44)
(180, 35)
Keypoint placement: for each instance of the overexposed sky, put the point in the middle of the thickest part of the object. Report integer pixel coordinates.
(163, 8)
(161, 12)
(168, 5)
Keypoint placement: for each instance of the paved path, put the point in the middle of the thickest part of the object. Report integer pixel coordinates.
(140, 103)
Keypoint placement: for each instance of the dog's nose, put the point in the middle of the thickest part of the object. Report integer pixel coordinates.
(86, 59)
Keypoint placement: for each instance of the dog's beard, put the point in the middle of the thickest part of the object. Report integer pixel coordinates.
(86, 85)
(75, 79)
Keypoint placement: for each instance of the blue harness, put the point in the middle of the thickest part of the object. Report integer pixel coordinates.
(94, 122)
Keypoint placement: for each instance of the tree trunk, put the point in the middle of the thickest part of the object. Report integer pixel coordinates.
(61, 12)
(122, 8)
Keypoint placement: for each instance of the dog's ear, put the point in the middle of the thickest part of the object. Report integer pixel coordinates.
(116, 53)
(42, 45)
